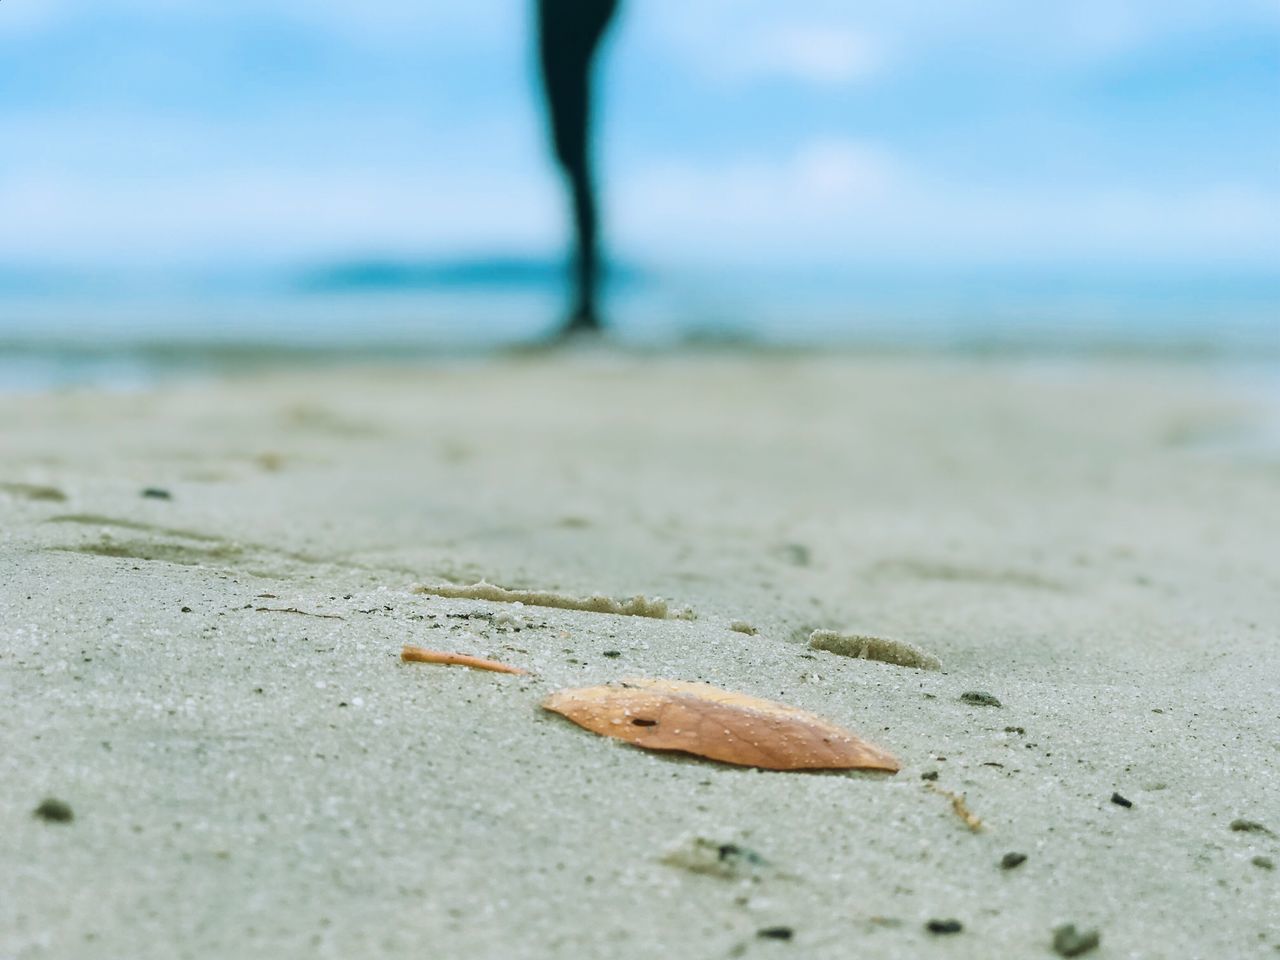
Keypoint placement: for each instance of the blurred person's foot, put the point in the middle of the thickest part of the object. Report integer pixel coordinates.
(580, 330)
(582, 319)
(582, 326)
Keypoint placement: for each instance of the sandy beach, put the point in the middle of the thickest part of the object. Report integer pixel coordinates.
(209, 676)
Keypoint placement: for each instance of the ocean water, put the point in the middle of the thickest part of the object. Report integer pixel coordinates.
(129, 330)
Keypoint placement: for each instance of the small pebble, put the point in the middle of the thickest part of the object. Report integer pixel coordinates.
(729, 861)
(1120, 801)
(1266, 863)
(54, 810)
(929, 775)
(1070, 942)
(186, 609)
(730, 852)
(506, 621)
(775, 933)
(157, 493)
(612, 653)
(1011, 860)
(944, 926)
(980, 699)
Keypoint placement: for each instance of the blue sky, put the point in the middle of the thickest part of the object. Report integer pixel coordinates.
(734, 132)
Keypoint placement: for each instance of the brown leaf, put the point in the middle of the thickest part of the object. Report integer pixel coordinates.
(731, 727)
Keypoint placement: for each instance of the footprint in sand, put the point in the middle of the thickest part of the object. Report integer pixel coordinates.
(194, 548)
(909, 567)
(33, 491)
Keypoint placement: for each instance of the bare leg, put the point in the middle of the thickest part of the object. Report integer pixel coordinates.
(569, 32)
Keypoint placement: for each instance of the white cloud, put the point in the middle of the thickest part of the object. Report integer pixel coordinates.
(842, 201)
(390, 23)
(841, 171)
(837, 43)
(734, 43)
(250, 215)
(820, 54)
(20, 18)
(829, 54)
(831, 201)
(729, 202)
(478, 23)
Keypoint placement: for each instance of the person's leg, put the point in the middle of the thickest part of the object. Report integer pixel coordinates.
(587, 253)
(569, 32)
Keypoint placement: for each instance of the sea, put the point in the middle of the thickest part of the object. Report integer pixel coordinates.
(129, 329)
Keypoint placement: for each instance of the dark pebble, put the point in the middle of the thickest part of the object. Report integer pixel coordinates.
(733, 853)
(776, 933)
(186, 609)
(1011, 860)
(1266, 863)
(944, 926)
(1248, 826)
(54, 810)
(929, 775)
(979, 699)
(612, 653)
(157, 493)
(1070, 942)
(1120, 801)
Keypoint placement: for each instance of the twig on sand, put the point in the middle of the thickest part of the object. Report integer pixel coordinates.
(959, 806)
(422, 655)
(305, 613)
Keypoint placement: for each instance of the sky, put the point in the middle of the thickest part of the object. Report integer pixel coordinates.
(1127, 133)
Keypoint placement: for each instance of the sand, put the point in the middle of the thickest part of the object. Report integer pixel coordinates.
(212, 684)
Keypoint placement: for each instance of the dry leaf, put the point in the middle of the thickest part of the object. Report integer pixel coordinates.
(731, 727)
(422, 655)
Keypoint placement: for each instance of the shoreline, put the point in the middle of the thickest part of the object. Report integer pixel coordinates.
(36, 366)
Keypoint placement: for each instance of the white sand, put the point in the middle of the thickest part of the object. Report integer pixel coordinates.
(1074, 541)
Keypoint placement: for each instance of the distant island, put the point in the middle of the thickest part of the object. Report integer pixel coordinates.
(506, 272)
